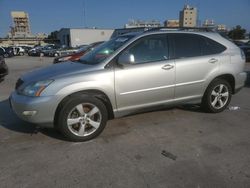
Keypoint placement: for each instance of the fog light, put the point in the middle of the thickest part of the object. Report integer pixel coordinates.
(29, 113)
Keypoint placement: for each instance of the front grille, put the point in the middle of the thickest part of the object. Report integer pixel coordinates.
(19, 83)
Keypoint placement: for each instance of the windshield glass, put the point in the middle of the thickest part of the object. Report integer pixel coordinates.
(105, 50)
(84, 48)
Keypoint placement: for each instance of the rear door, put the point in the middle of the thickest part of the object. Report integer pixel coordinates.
(195, 61)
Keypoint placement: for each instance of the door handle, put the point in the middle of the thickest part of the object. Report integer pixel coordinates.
(213, 60)
(167, 67)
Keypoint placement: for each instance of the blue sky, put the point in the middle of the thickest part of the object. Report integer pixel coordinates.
(50, 15)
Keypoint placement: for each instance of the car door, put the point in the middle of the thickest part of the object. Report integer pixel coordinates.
(150, 79)
(195, 62)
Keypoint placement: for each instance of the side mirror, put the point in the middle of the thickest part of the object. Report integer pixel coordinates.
(126, 58)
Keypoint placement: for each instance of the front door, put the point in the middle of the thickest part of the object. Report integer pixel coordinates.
(150, 79)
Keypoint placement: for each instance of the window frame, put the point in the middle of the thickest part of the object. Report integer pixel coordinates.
(141, 38)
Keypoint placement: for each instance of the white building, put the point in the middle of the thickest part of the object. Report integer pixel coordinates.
(221, 27)
(209, 23)
(76, 37)
(140, 23)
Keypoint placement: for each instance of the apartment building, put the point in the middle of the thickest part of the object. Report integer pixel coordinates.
(188, 16)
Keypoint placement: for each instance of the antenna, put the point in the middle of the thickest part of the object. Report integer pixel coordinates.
(84, 13)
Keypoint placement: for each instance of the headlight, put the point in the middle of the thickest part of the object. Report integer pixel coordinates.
(35, 89)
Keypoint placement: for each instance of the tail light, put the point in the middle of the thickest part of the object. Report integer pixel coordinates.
(243, 56)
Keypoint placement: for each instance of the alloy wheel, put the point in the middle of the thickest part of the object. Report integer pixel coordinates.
(219, 96)
(84, 119)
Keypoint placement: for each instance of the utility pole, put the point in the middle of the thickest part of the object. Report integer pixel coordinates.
(84, 14)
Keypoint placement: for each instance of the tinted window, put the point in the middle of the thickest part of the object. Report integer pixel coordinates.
(149, 49)
(186, 45)
(192, 45)
(210, 47)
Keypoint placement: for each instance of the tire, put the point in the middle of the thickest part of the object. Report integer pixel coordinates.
(82, 118)
(56, 55)
(21, 53)
(217, 96)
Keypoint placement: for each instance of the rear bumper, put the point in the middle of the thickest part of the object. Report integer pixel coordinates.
(240, 81)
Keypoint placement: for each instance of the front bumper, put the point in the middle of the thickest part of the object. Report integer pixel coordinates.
(44, 108)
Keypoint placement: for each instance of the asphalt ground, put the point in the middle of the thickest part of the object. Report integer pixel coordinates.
(176, 147)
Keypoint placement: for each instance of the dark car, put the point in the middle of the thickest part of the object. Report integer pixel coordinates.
(3, 68)
(77, 55)
(6, 52)
(9, 52)
(245, 48)
(35, 51)
(46, 51)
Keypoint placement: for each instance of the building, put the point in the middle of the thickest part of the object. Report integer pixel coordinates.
(208, 23)
(188, 16)
(21, 24)
(221, 27)
(76, 37)
(139, 23)
(172, 23)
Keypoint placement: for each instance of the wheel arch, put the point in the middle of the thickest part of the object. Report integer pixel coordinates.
(93, 92)
(228, 77)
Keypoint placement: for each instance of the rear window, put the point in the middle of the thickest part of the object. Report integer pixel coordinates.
(193, 45)
(210, 46)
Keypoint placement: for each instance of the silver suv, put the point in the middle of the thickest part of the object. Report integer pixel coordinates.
(128, 74)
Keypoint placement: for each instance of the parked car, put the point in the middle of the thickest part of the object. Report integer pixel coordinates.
(46, 50)
(26, 48)
(18, 50)
(3, 52)
(35, 51)
(78, 54)
(63, 51)
(130, 74)
(3, 68)
(245, 47)
(9, 52)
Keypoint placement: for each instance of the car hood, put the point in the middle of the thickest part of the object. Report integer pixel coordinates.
(57, 71)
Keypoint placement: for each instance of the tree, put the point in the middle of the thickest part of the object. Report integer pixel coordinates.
(237, 33)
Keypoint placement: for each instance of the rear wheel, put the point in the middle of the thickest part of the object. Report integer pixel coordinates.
(82, 118)
(217, 96)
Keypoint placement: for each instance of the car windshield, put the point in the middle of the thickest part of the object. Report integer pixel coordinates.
(84, 48)
(105, 50)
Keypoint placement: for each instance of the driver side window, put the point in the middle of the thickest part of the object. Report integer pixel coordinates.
(151, 48)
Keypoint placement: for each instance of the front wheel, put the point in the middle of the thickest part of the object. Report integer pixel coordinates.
(82, 118)
(217, 96)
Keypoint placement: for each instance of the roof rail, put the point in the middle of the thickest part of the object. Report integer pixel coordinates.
(205, 29)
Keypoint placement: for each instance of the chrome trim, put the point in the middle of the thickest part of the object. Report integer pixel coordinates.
(190, 83)
(143, 90)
